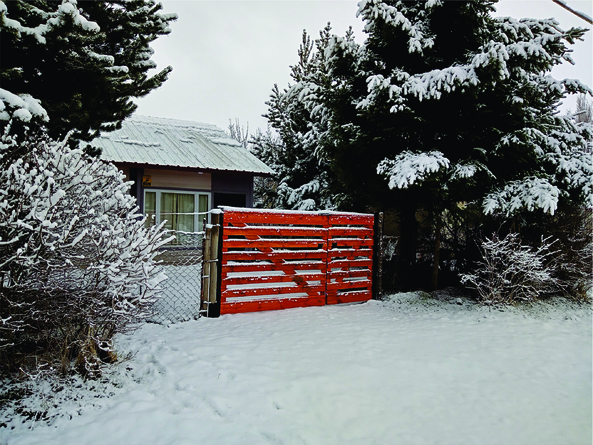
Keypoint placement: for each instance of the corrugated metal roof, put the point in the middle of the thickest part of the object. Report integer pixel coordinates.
(177, 143)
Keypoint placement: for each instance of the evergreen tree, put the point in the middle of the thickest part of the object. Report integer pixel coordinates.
(303, 179)
(267, 147)
(81, 63)
(448, 109)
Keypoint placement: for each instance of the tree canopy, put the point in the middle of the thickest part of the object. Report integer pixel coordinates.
(444, 108)
(446, 100)
(303, 177)
(77, 66)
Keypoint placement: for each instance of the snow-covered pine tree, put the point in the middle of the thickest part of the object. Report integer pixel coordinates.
(85, 62)
(452, 106)
(267, 147)
(76, 262)
(303, 179)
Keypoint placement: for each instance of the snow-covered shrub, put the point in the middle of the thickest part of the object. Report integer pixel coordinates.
(573, 228)
(76, 262)
(511, 272)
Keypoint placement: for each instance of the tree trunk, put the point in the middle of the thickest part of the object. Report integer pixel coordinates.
(437, 251)
(406, 260)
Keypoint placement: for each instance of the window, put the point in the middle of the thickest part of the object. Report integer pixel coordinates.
(177, 208)
(230, 199)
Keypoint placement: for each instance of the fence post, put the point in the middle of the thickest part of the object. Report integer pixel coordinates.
(215, 266)
(206, 251)
(378, 256)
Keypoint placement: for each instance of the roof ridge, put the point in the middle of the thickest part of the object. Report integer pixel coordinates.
(171, 121)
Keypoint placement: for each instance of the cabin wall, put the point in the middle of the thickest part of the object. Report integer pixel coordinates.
(227, 188)
(179, 179)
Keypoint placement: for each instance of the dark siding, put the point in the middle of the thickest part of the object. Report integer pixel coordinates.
(225, 183)
(137, 191)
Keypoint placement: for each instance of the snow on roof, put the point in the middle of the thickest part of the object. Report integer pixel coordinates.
(177, 143)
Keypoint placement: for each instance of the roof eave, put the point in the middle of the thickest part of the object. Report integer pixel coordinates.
(184, 168)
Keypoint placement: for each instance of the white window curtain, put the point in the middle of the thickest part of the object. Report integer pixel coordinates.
(175, 208)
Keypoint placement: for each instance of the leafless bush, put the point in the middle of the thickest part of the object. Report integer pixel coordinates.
(574, 229)
(511, 272)
(76, 262)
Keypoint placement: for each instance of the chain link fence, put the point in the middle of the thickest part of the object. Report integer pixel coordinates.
(181, 261)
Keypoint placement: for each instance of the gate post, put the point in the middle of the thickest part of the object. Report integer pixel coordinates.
(205, 291)
(215, 262)
(378, 256)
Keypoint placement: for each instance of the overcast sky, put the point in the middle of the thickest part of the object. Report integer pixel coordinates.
(227, 55)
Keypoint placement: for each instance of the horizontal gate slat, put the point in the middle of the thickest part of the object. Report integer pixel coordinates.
(366, 262)
(350, 274)
(360, 232)
(349, 285)
(279, 255)
(350, 253)
(296, 278)
(266, 217)
(354, 219)
(252, 292)
(273, 230)
(349, 297)
(273, 267)
(341, 243)
(271, 304)
(272, 243)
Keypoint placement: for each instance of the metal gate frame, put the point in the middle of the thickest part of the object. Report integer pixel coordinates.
(257, 260)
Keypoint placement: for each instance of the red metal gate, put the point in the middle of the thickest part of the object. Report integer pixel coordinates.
(283, 259)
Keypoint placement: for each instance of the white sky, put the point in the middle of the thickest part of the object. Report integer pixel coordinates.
(227, 55)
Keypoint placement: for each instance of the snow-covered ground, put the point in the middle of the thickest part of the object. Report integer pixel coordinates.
(404, 371)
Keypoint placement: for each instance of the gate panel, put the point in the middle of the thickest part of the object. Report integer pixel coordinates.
(272, 260)
(283, 259)
(350, 258)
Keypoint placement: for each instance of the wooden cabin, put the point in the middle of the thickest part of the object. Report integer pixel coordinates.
(181, 169)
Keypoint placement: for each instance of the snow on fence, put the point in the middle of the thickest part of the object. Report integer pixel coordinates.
(259, 260)
(182, 264)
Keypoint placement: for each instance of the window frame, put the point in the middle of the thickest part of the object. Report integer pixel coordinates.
(198, 219)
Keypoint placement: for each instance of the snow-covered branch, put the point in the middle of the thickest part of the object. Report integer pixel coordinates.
(408, 168)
